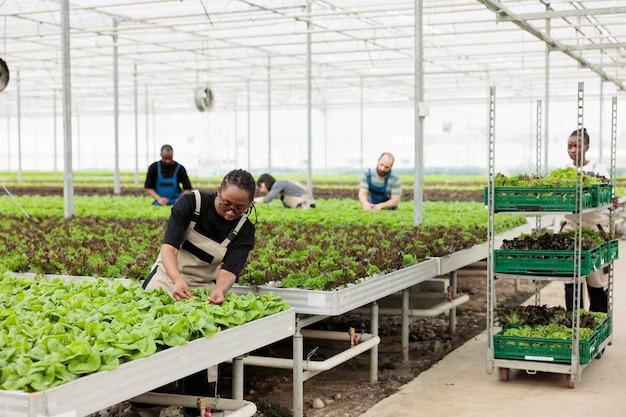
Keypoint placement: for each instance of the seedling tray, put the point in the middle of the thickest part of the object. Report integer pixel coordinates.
(541, 199)
(548, 262)
(549, 350)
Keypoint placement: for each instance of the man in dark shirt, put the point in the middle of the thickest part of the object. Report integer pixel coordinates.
(164, 179)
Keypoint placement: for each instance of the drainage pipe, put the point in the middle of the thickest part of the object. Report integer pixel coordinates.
(239, 408)
(315, 366)
(328, 335)
(423, 312)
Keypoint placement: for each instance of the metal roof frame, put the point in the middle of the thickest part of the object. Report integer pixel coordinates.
(176, 46)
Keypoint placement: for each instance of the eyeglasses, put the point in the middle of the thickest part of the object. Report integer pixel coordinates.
(227, 206)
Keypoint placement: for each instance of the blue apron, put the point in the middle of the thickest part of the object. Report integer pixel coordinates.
(378, 194)
(167, 187)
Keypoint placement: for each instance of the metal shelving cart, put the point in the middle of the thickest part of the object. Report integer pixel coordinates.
(534, 363)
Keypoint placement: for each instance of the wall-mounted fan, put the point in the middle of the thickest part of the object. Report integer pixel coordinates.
(4, 75)
(203, 98)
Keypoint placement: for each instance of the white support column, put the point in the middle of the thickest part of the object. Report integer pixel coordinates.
(419, 114)
(8, 120)
(236, 134)
(269, 113)
(136, 126)
(116, 111)
(19, 128)
(146, 110)
(546, 112)
(248, 124)
(361, 123)
(54, 106)
(309, 98)
(600, 136)
(68, 181)
(77, 138)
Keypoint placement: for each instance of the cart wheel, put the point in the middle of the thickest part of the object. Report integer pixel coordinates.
(505, 373)
(570, 381)
(599, 355)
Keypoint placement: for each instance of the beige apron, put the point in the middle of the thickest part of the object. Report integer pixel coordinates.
(196, 272)
(303, 201)
(597, 279)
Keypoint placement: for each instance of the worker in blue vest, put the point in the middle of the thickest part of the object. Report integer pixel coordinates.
(381, 189)
(165, 177)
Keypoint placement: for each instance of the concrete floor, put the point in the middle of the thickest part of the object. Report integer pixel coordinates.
(459, 385)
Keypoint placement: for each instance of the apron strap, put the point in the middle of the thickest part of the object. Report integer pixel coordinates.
(233, 233)
(196, 214)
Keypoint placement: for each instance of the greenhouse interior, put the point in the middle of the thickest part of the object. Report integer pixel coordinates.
(312, 208)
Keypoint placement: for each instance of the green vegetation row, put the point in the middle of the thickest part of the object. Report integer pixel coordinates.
(321, 248)
(559, 178)
(556, 241)
(340, 212)
(53, 331)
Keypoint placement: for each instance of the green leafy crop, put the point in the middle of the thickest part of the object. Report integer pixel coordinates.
(53, 331)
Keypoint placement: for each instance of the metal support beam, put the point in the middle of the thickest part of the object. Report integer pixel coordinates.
(269, 113)
(116, 112)
(309, 98)
(600, 135)
(419, 114)
(596, 46)
(361, 129)
(546, 80)
(54, 105)
(77, 138)
(68, 181)
(19, 128)
(248, 124)
(146, 110)
(552, 14)
(298, 376)
(136, 126)
(497, 7)
(374, 349)
(406, 321)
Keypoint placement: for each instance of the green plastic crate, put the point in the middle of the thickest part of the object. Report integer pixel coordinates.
(612, 250)
(539, 199)
(549, 350)
(602, 194)
(547, 262)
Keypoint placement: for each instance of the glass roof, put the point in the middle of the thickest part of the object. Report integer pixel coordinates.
(174, 46)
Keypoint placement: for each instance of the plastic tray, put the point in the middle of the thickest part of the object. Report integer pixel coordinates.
(541, 199)
(549, 350)
(548, 262)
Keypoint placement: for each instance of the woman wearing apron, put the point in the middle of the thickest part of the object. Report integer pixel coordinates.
(597, 281)
(206, 245)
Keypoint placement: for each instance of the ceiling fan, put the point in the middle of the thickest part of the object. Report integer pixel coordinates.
(203, 98)
(4, 75)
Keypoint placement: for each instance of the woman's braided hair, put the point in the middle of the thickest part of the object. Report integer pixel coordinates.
(242, 179)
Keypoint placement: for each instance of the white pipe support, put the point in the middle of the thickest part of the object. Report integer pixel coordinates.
(405, 325)
(298, 375)
(374, 351)
(312, 366)
(238, 378)
(425, 312)
(329, 335)
(452, 317)
(191, 401)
